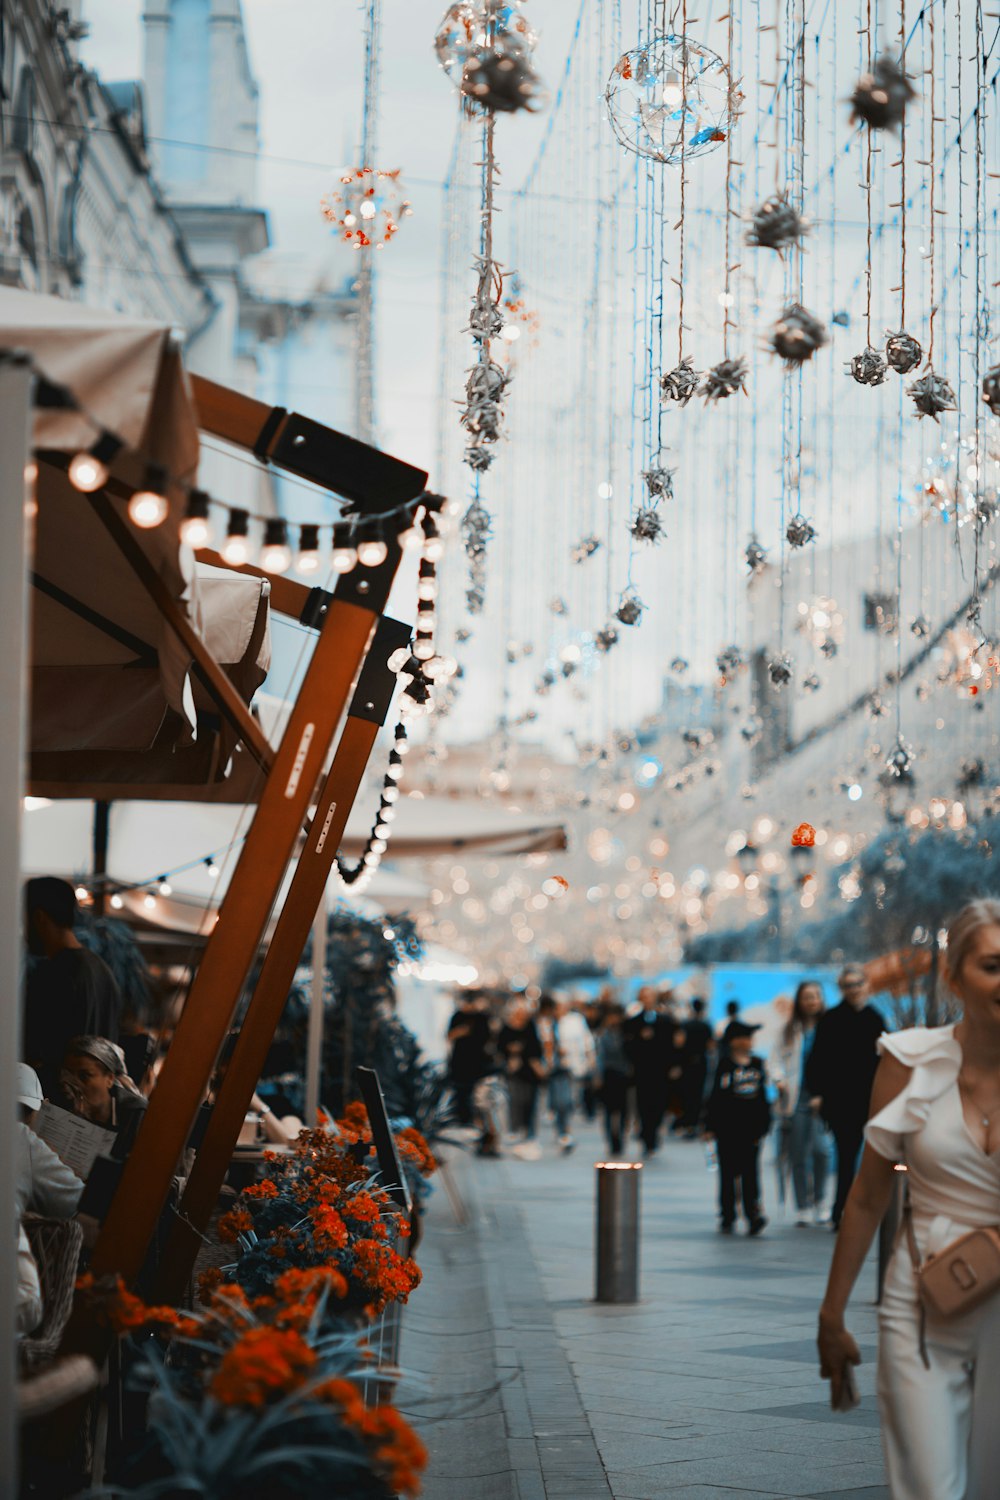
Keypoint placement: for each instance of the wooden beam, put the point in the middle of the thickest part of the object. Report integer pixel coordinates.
(367, 713)
(373, 481)
(135, 1211)
(212, 676)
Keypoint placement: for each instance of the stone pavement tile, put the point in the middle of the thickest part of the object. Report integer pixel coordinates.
(862, 1416)
(530, 1485)
(781, 1473)
(880, 1492)
(631, 1484)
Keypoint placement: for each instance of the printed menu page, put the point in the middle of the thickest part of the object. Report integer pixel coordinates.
(75, 1141)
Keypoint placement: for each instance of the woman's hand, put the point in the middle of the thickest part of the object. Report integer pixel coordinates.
(837, 1349)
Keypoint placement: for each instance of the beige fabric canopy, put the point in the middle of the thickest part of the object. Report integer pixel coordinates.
(114, 702)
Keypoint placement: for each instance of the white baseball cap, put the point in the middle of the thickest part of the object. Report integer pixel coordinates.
(29, 1089)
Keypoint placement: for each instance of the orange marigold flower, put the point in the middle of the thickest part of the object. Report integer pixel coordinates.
(265, 1363)
(208, 1282)
(236, 1222)
(328, 1226)
(265, 1189)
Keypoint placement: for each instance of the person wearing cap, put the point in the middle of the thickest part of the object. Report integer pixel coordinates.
(46, 1186)
(738, 1117)
(840, 1072)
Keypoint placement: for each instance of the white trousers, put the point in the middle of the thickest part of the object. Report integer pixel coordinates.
(940, 1427)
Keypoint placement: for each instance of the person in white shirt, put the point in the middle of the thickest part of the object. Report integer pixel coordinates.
(45, 1185)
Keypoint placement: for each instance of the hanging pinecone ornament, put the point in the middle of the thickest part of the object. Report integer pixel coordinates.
(811, 683)
(991, 389)
(799, 531)
(931, 395)
(756, 557)
(680, 383)
(659, 483)
(797, 335)
(646, 525)
(780, 669)
(630, 608)
(920, 626)
(868, 368)
(478, 458)
(724, 379)
(902, 352)
(776, 225)
(605, 638)
(881, 96)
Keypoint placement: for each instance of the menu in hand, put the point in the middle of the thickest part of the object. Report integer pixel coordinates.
(75, 1141)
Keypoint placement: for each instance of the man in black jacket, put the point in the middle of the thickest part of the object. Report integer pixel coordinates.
(840, 1073)
(649, 1047)
(739, 1117)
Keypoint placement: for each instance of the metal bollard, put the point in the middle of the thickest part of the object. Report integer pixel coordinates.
(888, 1230)
(617, 1233)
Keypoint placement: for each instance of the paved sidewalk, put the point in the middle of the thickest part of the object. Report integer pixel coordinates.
(706, 1389)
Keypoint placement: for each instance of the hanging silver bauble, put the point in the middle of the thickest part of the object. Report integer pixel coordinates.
(756, 556)
(730, 660)
(868, 368)
(829, 647)
(902, 352)
(799, 531)
(881, 96)
(797, 335)
(501, 78)
(931, 395)
(811, 682)
(724, 379)
(478, 458)
(671, 100)
(920, 626)
(780, 669)
(776, 225)
(605, 638)
(630, 608)
(680, 383)
(679, 665)
(900, 761)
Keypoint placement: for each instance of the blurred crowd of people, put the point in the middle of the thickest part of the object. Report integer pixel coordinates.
(657, 1066)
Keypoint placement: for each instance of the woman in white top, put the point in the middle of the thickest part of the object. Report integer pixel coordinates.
(936, 1107)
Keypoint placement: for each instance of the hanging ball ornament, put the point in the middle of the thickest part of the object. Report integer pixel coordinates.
(366, 207)
(991, 389)
(485, 47)
(902, 352)
(730, 660)
(900, 762)
(585, 547)
(811, 683)
(630, 608)
(725, 379)
(679, 665)
(605, 638)
(647, 526)
(931, 395)
(780, 669)
(756, 557)
(799, 531)
(501, 78)
(804, 836)
(776, 225)
(558, 606)
(797, 335)
(670, 100)
(920, 627)
(868, 368)
(881, 96)
(680, 383)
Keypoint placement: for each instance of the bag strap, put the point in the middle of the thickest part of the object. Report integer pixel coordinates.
(911, 1242)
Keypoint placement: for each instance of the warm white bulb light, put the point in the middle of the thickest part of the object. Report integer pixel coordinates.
(368, 209)
(343, 559)
(87, 473)
(434, 549)
(147, 509)
(236, 550)
(195, 532)
(308, 562)
(276, 557)
(372, 553)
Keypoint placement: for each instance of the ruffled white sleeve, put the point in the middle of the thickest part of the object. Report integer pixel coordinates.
(934, 1057)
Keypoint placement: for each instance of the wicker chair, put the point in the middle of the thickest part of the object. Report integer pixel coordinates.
(56, 1245)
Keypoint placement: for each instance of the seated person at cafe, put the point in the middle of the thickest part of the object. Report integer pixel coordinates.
(45, 1186)
(96, 1085)
(70, 991)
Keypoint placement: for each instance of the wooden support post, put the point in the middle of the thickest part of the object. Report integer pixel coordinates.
(211, 674)
(288, 792)
(333, 805)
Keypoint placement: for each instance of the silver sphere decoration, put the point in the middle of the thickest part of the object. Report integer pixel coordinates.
(776, 225)
(659, 483)
(868, 368)
(671, 99)
(780, 669)
(799, 531)
(756, 556)
(630, 608)
(797, 335)
(920, 627)
(646, 525)
(725, 379)
(931, 395)
(680, 383)
(881, 96)
(902, 352)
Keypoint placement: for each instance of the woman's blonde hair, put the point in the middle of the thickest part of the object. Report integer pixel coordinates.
(984, 912)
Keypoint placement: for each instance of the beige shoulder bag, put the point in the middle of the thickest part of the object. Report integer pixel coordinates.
(956, 1279)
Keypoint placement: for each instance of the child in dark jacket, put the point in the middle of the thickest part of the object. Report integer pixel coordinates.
(739, 1117)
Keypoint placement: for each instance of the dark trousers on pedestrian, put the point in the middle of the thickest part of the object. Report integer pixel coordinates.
(523, 1090)
(651, 1103)
(739, 1173)
(848, 1137)
(614, 1100)
(693, 1092)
